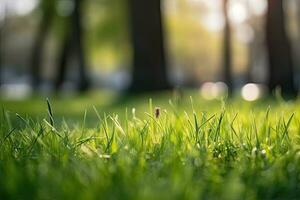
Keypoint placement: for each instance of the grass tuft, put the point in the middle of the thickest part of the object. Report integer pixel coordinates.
(198, 150)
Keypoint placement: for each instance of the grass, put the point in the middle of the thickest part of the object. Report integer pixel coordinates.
(149, 149)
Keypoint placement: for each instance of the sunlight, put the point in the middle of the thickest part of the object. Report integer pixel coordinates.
(16, 91)
(210, 90)
(257, 7)
(251, 92)
(207, 91)
(237, 12)
(213, 21)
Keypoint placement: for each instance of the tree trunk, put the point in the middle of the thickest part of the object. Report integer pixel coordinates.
(1, 52)
(73, 48)
(83, 83)
(250, 46)
(149, 62)
(297, 49)
(227, 54)
(39, 45)
(62, 65)
(298, 11)
(2, 39)
(279, 51)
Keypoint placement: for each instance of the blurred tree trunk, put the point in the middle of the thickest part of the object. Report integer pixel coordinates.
(47, 9)
(83, 83)
(227, 50)
(279, 50)
(251, 48)
(62, 65)
(149, 62)
(298, 39)
(1, 52)
(2, 39)
(298, 11)
(73, 48)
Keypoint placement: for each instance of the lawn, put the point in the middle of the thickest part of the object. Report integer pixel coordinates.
(101, 146)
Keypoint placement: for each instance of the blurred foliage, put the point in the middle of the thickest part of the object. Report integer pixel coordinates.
(107, 29)
(195, 50)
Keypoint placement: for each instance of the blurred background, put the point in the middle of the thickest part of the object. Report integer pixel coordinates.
(216, 46)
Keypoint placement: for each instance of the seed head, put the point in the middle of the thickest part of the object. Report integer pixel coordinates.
(157, 112)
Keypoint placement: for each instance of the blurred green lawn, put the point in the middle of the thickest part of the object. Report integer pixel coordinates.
(243, 153)
(73, 108)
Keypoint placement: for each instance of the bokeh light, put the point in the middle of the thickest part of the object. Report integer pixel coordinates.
(251, 92)
(237, 12)
(211, 90)
(15, 91)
